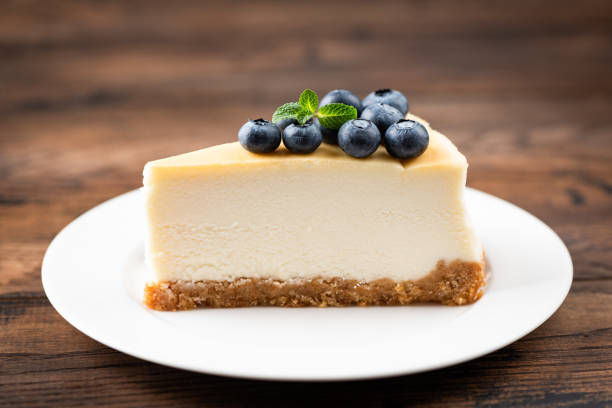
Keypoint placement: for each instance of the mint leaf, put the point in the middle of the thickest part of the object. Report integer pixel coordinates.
(304, 116)
(334, 115)
(287, 111)
(309, 100)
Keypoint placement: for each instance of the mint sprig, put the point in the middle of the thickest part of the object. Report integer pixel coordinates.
(331, 116)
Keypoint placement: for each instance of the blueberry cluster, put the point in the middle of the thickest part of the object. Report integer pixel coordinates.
(380, 119)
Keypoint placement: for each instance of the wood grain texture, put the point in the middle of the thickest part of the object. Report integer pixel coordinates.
(90, 91)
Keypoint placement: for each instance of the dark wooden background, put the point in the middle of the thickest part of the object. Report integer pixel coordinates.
(90, 91)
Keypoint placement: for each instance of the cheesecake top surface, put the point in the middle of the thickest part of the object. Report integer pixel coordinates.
(440, 152)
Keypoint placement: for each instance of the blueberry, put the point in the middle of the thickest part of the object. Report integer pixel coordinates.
(406, 139)
(259, 136)
(388, 96)
(382, 115)
(330, 136)
(302, 139)
(342, 96)
(282, 124)
(359, 138)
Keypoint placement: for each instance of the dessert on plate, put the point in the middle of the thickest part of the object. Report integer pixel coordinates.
(373, 216)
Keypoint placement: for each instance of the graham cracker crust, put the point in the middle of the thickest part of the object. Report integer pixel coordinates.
(457, 283)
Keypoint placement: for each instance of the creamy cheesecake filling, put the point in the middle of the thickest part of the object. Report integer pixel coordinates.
(284, 222)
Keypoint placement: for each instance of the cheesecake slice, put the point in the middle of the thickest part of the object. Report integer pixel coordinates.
(229, 228)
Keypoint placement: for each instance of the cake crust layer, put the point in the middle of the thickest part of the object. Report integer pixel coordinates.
(455, 283)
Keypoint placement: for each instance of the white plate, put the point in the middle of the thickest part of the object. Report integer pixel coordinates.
(94, 273)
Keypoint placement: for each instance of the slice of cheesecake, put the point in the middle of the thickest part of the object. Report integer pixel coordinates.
(229, 228)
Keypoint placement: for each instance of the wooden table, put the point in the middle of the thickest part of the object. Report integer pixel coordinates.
(89, 92)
